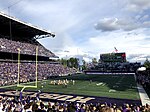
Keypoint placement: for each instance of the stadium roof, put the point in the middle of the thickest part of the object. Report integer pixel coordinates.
(19, 28)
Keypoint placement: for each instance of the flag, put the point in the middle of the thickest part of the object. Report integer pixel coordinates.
(116, 50)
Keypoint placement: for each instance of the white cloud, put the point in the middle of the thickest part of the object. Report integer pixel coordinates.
(138, 57)
(146, 24)
(144, 17)
(111, 24)
(137, 5)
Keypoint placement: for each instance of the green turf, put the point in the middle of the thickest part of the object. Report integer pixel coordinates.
(124, 85)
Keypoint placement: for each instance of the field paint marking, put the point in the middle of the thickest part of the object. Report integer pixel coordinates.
(16, 84)
(8, 86)
(112, 90)
(80, 99)
(65, 98)
(108, 73)
(71, 98)
(99, 84)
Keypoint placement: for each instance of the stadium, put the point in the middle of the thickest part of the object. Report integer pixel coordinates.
(31, 80)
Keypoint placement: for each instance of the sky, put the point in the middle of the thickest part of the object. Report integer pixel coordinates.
(88, 28)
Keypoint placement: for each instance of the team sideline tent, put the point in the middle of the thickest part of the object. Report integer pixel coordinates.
(141, 69)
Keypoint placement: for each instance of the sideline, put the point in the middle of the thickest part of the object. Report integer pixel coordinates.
(143, 95)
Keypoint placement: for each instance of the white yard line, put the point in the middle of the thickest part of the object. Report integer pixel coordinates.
(16, 85)
(8, 86)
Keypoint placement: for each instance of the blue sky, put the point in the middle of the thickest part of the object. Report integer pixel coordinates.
(89, 27)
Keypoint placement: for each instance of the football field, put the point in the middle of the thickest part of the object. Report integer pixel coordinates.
(107, 85)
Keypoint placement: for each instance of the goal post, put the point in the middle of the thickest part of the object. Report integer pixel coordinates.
(36, 72)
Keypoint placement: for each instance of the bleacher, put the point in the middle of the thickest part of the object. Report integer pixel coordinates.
(9, 71)
(10, 46)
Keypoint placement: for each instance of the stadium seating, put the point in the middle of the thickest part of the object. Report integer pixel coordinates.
(26, 48)
(28, 104)
(9, 71)
(143, 79)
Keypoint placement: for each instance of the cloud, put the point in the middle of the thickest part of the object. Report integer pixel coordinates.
(146, 24)
(107, 24)
(144, 17)
(137, 5)
(133, 17)
(111, 24)
(138, 57)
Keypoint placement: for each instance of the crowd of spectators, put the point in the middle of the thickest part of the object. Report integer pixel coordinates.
(143, 78)
(11, 46)
(114, 66)
(9, 71)
(28, 104)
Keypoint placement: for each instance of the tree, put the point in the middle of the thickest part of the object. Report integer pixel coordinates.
(84, 66)
(72, 62)
(94, 61)
(147, 63)
(63, 61)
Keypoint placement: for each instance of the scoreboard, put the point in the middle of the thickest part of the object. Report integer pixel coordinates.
(113, 57)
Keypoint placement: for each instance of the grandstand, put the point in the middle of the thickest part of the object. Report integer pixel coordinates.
(17, 34)
(14, 35)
